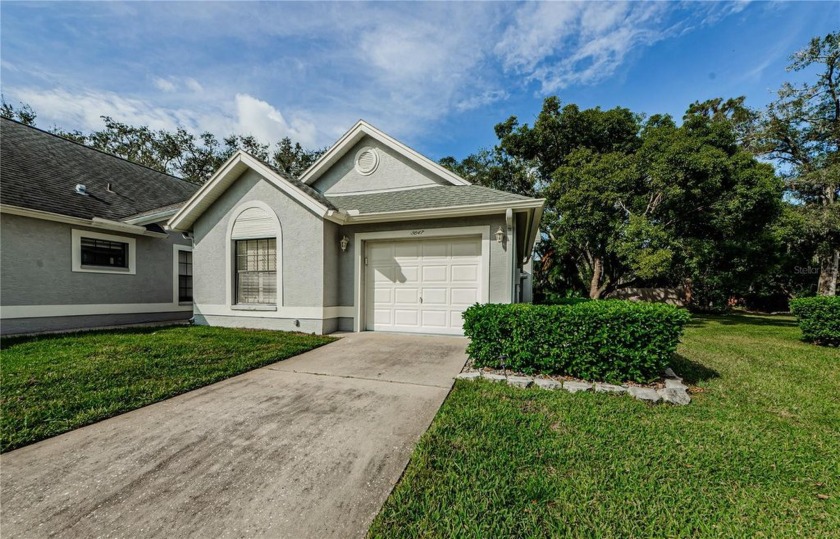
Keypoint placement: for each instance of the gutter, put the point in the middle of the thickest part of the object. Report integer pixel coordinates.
(96, 222)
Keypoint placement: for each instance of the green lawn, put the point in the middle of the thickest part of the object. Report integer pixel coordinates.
(756, 454)
(55, 383)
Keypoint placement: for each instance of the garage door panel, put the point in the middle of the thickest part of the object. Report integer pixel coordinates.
(464, 296)
(422, 285)
(383, 295)
(380, 252)
(435, 274)
(406, 295)
(435, 248)
(435, 296)
(469, 248)
(383, 274)
(407, 250)
(465, 273)
(403, 317)
(408, 274)
(434, 319)
(456, 320)
(382, 317)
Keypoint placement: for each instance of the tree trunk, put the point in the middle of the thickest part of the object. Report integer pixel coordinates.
(597, 270)
(829, 269)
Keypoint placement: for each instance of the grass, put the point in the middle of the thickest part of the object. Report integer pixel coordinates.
(55, 383)
(757, 452)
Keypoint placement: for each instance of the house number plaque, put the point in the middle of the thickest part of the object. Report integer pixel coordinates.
(417, 232)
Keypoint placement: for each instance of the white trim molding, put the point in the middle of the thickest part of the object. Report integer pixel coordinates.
(304, 313)
(176, 274)
(449, 232)
(76, 257)
(96, 222)
(230, 254)
(8, 312)
(224, 178)
(357, 133)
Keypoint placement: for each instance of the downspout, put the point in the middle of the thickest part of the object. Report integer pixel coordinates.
(511, 254)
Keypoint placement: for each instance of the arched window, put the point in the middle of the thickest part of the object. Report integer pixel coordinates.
(256, 261)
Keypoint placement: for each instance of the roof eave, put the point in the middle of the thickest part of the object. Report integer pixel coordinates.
(233, 168)
(439, 213)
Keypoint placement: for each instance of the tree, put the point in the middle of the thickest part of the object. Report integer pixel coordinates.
(23, 113)
(178, 152)
(801, 131)
(633, 202)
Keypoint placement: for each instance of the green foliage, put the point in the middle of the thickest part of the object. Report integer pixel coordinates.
(801, 132)
(596, 340)
(180, 153)
(819, 319)
(55, 383)
(23, 113)
(754, 455)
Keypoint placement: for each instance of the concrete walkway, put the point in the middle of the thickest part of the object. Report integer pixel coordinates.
(307, 447)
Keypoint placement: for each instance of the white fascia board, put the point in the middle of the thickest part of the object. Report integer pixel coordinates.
(533, 230)
(453, 211)
(96, 222)
(355, 134)
(224, 177)
(152, 218)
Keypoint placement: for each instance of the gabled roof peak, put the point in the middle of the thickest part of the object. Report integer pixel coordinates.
(356, 133)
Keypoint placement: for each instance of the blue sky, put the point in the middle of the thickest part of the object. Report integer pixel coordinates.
(437, 76)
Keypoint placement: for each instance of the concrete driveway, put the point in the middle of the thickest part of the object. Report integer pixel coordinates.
(307, 447)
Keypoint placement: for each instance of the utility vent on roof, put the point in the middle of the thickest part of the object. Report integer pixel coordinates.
(366, 161)
(81, 189)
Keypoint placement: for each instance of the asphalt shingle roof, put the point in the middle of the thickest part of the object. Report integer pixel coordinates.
(444, 196)
(39, 171)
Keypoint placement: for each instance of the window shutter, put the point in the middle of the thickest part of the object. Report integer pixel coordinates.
(253, 223)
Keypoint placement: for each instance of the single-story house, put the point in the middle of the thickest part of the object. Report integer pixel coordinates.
(373, 236)
(82, 238)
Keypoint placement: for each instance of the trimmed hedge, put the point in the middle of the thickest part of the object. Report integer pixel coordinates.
(819, 319)
(610, 340)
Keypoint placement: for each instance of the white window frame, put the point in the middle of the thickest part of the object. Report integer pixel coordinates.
(230, 257)
(176, 285)
(76, 242)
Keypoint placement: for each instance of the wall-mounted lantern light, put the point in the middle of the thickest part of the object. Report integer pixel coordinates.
(500, 235)
(345, 241)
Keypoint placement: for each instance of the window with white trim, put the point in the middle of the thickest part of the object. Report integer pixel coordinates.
(256, 271)
(185, 280)
(95, 252)
(104, 253)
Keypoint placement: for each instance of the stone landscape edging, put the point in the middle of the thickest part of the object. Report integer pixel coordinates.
(674, 392)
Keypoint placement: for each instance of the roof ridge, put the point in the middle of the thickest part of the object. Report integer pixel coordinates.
(59, 137)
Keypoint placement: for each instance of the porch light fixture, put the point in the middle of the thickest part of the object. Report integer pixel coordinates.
(500, 235)
(345, 241)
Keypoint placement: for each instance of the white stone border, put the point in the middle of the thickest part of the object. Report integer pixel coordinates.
(674, 392)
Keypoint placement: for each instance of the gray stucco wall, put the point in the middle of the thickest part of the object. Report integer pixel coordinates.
(394, 171)
(499, 291)
(36, 267)
(300, 248)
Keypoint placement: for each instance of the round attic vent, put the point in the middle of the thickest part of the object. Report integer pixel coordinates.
(367, 159)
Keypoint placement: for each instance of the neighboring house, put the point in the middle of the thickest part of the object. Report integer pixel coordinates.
(373, 236)
(82, 242)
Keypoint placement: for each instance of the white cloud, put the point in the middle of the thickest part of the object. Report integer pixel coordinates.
(560, 44)
(481, 100)
(164, 85)
(193, 85)
(257, 117)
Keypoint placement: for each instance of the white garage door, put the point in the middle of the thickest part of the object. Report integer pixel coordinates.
(421, 286)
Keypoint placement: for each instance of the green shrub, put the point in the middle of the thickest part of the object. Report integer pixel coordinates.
(819, 319)
(609, 340)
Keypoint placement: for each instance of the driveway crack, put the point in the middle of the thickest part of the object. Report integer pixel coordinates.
(358, 378)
